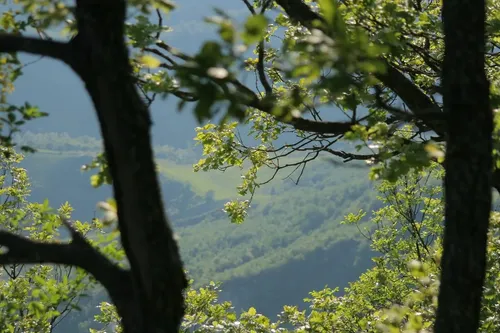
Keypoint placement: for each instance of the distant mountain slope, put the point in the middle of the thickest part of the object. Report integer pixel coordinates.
(53, 87)
(291, 243)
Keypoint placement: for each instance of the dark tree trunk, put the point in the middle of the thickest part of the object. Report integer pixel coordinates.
(100, 57)
(150, 295)
(468, 164)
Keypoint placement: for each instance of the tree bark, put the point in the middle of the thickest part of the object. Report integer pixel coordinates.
(100, 57)
(150, 296)
(468, 164)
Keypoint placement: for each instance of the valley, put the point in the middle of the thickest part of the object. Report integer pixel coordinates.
(291, 243)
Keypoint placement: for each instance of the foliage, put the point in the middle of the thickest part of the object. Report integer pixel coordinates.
(333, 59)
(33, 298)
(337, 55)
(36, 298)
(12, 117)
(299, 69)
(281, 230)
(343, 57)
(399, 294)
(339, 66)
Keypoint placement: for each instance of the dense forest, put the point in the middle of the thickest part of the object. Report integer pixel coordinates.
(332, 166)
(214, 249)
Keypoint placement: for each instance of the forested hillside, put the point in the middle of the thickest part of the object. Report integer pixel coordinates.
(287, 247)
(329, 164)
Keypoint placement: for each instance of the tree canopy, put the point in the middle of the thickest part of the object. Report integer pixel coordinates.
(384, 81)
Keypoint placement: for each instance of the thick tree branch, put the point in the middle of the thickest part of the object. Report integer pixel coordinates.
(22, 250)
(468, 164)
(321, 127)
(298, 11)
(16, 43)
(155, 302)
(267, 104)
(418, 102)
(251, 99)
(347, 157)
(79, 253)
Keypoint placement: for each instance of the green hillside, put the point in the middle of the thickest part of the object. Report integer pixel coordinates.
(287, 223)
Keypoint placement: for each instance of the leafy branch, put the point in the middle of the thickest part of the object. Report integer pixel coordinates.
(10, 43)
(78, 252)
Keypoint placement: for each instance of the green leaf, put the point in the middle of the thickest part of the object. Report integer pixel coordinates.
(149, 61)
(327, 8)
(252, 311)
(254, 29)
(95, 180)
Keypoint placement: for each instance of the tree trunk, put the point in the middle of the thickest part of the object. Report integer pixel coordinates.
(468, 164)
(158, 280)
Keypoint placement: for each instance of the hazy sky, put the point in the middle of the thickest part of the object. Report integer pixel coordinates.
(57, 90)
